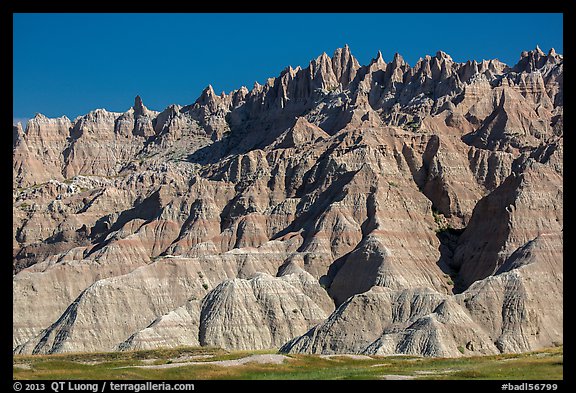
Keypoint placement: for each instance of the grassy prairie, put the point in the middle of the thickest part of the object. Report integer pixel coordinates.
(541, 365)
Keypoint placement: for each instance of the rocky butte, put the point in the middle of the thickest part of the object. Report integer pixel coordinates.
(338, 208)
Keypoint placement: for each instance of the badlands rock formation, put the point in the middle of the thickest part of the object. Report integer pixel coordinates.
(337, 208)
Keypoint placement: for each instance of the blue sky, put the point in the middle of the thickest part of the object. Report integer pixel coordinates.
(69, 64)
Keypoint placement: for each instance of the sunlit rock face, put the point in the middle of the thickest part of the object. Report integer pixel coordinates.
(337, 208)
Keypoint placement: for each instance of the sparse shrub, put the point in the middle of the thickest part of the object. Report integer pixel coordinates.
(205, 286)
(413, 126)
(440, 220)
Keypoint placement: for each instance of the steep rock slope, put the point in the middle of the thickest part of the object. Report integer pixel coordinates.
(425, 201)
(382, 321)
(263, 312)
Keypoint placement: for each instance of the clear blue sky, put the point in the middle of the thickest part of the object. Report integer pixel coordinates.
(69, 64)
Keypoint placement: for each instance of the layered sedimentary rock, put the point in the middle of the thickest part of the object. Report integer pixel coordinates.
(177, 328)
(527, 205)
(38, 151)
(382, 321)
(377, 209)
(263, 312)
(520, 307)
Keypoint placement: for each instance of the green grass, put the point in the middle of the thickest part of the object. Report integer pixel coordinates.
(543, 365)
